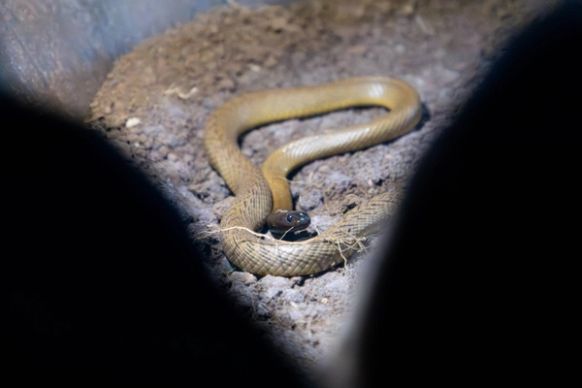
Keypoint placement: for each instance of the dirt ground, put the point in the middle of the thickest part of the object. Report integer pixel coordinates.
(155, 101)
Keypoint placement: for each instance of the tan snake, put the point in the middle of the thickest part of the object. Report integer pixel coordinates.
(252, 188)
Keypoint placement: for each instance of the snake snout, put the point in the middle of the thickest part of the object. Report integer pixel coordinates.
(301, 220)
(283, 221)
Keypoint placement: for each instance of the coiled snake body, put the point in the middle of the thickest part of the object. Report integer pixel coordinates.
(254, 199)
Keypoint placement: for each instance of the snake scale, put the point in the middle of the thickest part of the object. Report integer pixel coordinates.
(256, 191)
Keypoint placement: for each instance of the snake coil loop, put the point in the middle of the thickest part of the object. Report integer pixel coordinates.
(259, 192)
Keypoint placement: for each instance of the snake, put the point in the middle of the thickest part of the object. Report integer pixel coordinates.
(258, 192)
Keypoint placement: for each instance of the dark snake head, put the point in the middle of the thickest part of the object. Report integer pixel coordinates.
(283, 221)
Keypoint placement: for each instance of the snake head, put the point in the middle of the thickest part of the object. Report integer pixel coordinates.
(283, 221)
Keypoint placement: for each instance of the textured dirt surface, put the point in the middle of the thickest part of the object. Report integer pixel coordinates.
(154, 104)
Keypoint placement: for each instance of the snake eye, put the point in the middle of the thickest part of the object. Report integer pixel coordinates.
(289, 218)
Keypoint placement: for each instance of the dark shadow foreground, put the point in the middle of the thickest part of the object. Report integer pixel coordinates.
(478, 285)
(103, 283)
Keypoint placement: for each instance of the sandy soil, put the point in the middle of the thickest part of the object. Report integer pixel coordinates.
(154, 104)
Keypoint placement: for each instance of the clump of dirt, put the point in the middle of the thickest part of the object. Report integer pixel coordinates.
(157, 98)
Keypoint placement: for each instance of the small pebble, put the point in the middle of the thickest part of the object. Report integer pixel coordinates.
(132, 122)
(245, 278)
